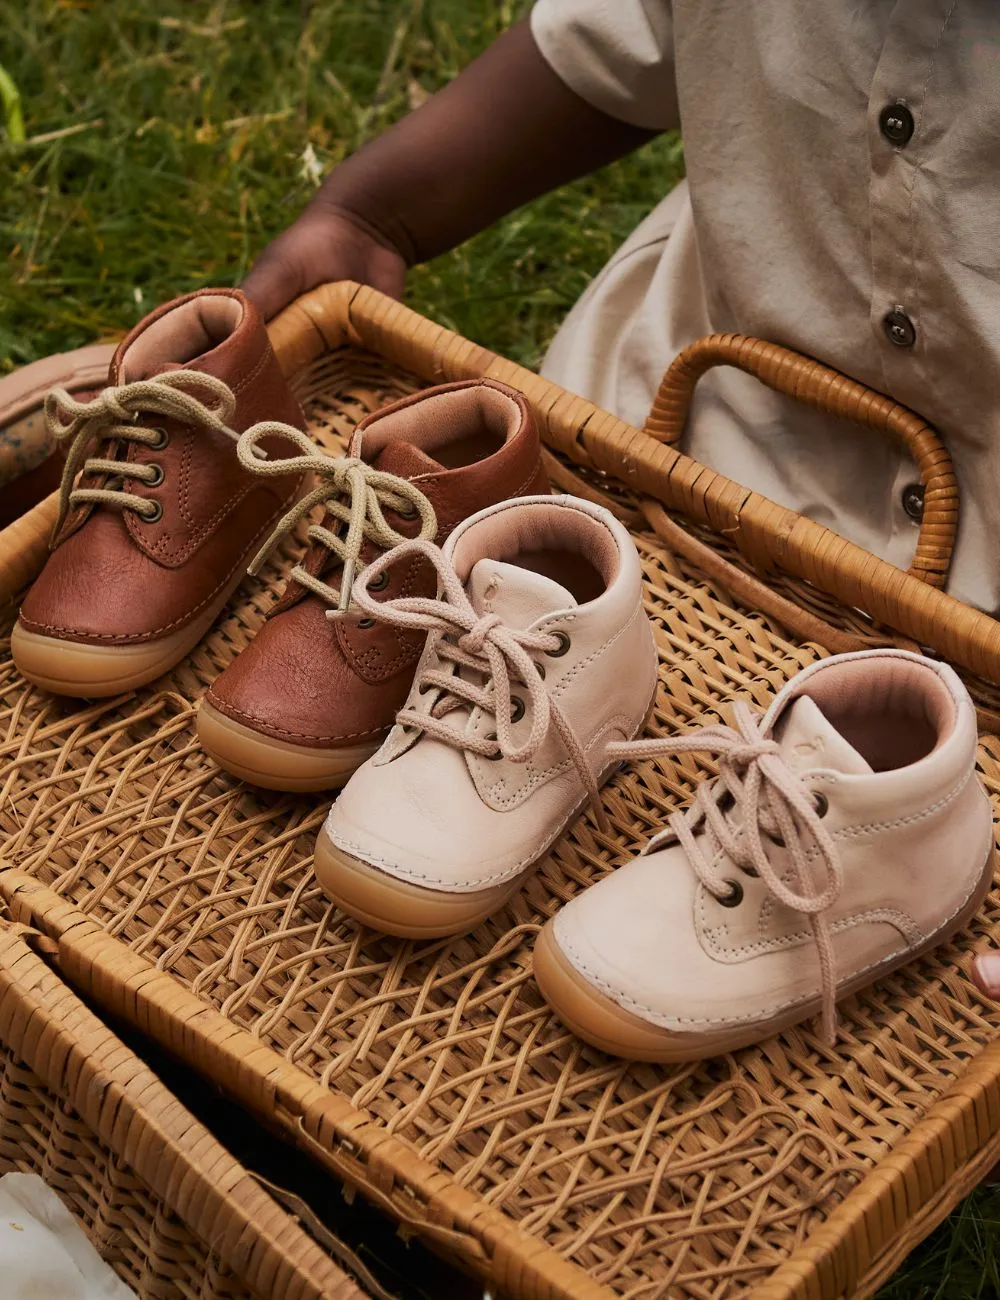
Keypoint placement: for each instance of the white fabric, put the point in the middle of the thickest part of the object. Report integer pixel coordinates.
(44, 1253)
(801, 223)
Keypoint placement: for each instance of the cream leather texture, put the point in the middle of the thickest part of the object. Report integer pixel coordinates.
(913, 844)
(432, 814)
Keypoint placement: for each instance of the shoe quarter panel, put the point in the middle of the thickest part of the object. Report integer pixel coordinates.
(604, 687)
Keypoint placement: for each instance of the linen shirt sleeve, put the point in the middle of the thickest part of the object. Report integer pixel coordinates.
(618, 55)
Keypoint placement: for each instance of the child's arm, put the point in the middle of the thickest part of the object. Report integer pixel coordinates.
(504, 131)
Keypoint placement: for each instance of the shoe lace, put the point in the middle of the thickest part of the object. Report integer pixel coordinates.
(112, 416)
(351, 490)
(485, 645)
(755, 793)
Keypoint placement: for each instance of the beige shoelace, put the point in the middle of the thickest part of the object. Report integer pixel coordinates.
(484, 644)
(755, 792)
(350, 490)
(112, 417)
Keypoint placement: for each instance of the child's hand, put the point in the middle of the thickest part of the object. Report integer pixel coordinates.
(504, 131)
(323, 244)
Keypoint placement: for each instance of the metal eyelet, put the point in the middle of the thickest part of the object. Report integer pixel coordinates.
(154, 514)
(540, 669)
(493, 758)
(517, 709)
(162, 438)
(822, 803)
(379, 582)
(776, 839)
(366, 622)
(407, 510)
(563, 646)
(749, 871)
(734, 897)
(157, 478)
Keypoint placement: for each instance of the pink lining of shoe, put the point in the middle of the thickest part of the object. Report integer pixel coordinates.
(894, 712)
(183, 334)
(460, 427)
(518, 534)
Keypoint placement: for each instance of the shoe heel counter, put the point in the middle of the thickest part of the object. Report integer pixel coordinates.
(642, 667)
(983, 810)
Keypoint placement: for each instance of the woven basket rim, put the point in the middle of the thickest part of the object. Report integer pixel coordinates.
(123, 1102)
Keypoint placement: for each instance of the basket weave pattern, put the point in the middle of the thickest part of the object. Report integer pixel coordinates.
(158, 1197)
(152, 1249)
(697, 1181)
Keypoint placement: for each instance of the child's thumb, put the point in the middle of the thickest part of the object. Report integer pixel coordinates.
(274, 281)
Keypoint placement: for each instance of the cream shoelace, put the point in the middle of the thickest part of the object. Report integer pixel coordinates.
(350, 490)
(113, 416)
(484, 644)
(755, 793)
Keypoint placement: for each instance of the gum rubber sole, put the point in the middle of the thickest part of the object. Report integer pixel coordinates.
(410, 911)
(92, 672)
(601, 1022)
(95, 671)
(397, 907)
(276, 764)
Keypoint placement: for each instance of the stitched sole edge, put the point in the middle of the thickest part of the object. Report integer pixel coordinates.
(85, 671)
(276, 764)
(601, 1022)
(397, 907)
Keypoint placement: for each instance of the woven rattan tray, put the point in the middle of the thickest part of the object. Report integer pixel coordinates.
(161, 1200)
(430, 1076)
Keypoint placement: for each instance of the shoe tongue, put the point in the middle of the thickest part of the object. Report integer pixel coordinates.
(519, 596)
(808, 741)
(405, 461)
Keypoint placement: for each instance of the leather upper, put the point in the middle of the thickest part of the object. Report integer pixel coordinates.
(308, 680)
(115, 578)
(913, 841)
(449, 819)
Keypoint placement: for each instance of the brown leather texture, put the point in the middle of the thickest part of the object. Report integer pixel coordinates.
(308, 680)
(114, 578)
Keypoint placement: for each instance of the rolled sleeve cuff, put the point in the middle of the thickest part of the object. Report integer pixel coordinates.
(618, 55)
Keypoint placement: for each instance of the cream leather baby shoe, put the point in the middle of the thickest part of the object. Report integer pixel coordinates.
(539, 657)
(845, 835)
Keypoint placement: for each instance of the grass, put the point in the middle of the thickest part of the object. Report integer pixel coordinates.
(197, 132)
(151, 148)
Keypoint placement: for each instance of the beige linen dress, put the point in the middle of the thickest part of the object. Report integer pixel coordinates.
(843, 198)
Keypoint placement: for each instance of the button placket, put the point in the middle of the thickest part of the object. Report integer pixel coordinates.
(901, 126)
(898, 134)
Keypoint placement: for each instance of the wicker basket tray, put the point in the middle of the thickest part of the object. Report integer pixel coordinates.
(164, 1204)
(430, 1076)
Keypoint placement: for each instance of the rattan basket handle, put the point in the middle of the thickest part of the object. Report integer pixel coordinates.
(827, 390)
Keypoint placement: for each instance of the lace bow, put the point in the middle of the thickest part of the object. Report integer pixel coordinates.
(113, 416)
(485, 646)
(351, 490)
(755, 794)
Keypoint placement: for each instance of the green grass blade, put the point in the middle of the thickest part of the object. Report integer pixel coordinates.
(10, 99)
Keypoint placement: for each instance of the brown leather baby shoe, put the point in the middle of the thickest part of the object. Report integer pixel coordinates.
(316, 691)
(155, 533)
